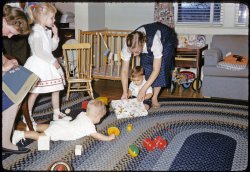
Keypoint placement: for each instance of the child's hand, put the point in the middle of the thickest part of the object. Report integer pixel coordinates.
(112, 137)
(54, 30)
(56, 64)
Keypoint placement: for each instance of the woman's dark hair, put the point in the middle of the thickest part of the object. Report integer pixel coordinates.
(16, 17)
(136, 38)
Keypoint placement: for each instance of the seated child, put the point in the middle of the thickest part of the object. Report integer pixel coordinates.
(137, 82)
(82, 125)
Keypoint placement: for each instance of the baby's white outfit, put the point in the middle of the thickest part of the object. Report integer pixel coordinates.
(70, 130)
(136, 88)
(41, 62)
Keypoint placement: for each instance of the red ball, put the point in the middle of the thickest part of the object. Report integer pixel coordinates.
(85, 104)
(149, 144)
(161, 143)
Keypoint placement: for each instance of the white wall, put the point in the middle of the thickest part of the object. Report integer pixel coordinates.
(65, 7)
(128, 16)
(81, 17)
(96, 16)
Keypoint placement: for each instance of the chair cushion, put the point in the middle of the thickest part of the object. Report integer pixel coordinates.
(233, 62)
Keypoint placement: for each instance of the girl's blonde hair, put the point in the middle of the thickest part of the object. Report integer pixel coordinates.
(36, 12)
(16, 17)
(135, 39)
(137, 71)
(96, 106)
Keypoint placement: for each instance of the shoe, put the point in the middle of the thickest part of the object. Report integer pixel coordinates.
(19, 151)
(17, 136)
(61, 116)
(156, 106)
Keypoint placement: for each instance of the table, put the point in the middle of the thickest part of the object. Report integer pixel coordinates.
(190, 56)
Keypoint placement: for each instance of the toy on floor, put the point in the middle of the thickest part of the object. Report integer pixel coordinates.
(43, 143)
(161, 143)
(60, 166)
(78, 150)
(129, 127)
(113, 130)
(103, 99)
(149, 144)
(184, 78)
(84, 104)
(67, 111)
(133, 150)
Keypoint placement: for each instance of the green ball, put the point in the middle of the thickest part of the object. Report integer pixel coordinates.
(133, 150)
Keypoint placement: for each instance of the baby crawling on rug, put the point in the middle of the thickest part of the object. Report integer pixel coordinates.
(82, 125)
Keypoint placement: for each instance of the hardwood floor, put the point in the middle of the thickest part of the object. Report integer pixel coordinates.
(113, 90)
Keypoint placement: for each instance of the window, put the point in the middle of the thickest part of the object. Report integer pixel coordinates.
(242, 15)
(207, 13)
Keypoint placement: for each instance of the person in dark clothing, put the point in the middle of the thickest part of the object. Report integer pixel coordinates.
(156, 44)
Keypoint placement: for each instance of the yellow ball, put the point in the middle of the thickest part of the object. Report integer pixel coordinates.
(133, 150)
(129, 127)
(113, 130)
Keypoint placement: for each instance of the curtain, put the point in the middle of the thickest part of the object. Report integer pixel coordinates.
(164, 13)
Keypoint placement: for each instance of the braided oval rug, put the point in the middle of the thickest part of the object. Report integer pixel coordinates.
(202, 135)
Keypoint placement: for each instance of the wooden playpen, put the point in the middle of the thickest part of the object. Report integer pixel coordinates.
(106, 50)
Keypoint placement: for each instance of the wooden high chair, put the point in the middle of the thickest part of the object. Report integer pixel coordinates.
(78, 67)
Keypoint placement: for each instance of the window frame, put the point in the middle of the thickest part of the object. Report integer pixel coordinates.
(237, 9)
(210, 23)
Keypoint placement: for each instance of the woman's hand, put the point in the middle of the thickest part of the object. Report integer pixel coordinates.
(124, 96)
(9, 64)
(141, 94)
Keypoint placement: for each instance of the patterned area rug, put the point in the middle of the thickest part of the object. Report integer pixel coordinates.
(202, 136)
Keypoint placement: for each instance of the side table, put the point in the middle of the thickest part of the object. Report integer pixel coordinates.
(190, 56)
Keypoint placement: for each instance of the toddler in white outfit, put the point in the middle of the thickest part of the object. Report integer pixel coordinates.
(137, 81)
(82, 125)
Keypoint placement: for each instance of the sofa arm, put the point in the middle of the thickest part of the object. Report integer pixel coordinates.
(212, 56)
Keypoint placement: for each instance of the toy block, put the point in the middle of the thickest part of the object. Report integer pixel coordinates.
(43, 143)
(85, 104)
(103, 99)
(78, 150)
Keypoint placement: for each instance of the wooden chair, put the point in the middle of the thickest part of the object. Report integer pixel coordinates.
(78, 67)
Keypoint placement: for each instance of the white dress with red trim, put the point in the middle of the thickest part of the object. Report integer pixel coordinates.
(41, 62)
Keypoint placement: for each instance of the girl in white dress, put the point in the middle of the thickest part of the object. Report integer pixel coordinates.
(42, 62)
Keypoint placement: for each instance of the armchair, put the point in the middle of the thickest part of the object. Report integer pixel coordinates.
(224, 83)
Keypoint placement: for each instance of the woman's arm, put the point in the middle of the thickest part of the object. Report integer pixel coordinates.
(102, 137)
(124, 78)
(148, 96)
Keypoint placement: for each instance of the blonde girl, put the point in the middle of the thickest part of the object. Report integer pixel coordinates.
(43, 40)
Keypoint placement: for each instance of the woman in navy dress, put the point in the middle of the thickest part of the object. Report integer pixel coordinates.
(156, 44)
